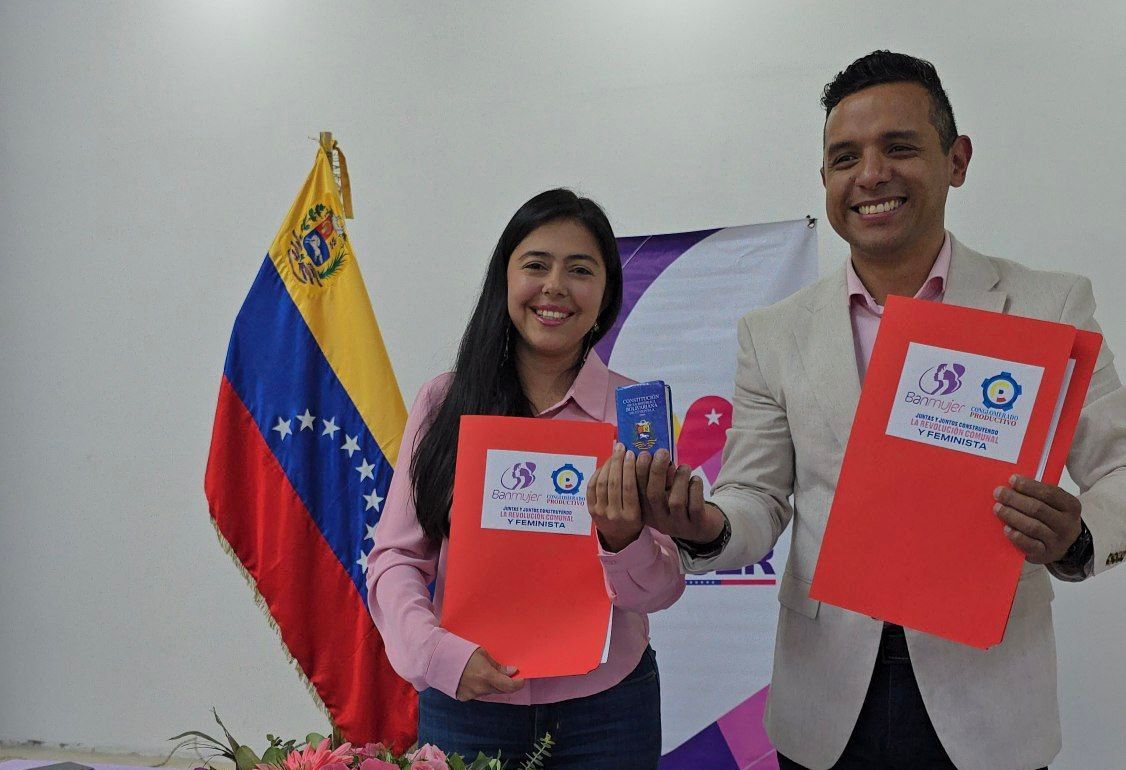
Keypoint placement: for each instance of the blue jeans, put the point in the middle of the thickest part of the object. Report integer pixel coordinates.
(617, 729)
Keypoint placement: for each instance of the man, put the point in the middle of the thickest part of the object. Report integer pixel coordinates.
(850, 691)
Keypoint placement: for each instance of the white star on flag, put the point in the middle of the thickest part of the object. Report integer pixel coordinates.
(283, 428)
(713, 417)
(366, 471)
(330, 428)
(350, 444)
(371, 532)
(373, 500)
(363, 561)
(306, 420)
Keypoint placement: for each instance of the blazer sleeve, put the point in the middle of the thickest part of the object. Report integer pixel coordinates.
(1097, 461)
(757, 477)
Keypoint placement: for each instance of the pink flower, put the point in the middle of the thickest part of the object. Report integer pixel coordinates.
(319, 758)
(428, 753)
(372, 750)
(377, 764)
(429, 764)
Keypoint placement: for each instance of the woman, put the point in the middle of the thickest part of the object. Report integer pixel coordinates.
(551, 290)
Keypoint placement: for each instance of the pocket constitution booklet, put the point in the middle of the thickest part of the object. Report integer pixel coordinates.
(645, 417)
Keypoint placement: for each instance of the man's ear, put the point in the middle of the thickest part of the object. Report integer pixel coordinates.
(960, 154)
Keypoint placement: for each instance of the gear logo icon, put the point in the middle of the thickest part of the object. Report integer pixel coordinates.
(1000, 391)
(568, 479)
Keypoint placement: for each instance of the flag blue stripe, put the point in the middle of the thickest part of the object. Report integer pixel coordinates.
(278, 370)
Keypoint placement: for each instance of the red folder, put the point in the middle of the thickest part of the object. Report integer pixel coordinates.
(911, 536)
(536, 600)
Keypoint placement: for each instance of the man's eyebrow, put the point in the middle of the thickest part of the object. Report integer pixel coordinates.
(887, 136)
(912, 135)
(836, 147)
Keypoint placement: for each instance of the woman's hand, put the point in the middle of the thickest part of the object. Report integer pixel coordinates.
(673, 500)
(611, 498)
(484, 676)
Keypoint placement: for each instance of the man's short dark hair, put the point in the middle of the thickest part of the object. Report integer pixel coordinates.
(881, 67)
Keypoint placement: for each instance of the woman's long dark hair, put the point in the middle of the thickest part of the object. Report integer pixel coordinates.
(485, 380)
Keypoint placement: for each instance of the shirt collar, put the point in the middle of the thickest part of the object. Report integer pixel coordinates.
(932, 287)
(588, 391)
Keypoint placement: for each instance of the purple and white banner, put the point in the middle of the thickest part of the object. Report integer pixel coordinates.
(684, 294)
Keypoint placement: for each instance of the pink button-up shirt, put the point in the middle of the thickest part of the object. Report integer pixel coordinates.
(866, 314)
(643, 577)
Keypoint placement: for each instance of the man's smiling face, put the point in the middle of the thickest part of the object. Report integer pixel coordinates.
(885, 173)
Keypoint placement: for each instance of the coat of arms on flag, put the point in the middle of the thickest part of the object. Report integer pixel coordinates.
(318, 248)
(306, 435)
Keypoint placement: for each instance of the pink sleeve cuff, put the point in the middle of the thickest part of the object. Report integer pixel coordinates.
(639, 554)
(448, 662)
(644, 576)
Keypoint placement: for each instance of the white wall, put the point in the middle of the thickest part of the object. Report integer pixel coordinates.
(149, 151)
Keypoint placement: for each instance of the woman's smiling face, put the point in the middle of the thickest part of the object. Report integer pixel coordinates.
(556, 289)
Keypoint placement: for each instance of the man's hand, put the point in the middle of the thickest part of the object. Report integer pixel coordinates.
(672, 500)
(484, 676)
(611, 498)
(1041, 520)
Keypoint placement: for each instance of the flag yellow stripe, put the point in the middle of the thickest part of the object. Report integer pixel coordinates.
(338, 310)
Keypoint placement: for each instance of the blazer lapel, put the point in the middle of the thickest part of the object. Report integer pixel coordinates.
(828, 352)
(972, 280)
(828, 355)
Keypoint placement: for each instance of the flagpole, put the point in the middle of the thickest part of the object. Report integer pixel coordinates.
(327, 146)
(339, 171)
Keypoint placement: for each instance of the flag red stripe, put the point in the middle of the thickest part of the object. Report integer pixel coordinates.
(321, 615)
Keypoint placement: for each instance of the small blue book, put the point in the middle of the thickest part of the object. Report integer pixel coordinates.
(645, 417)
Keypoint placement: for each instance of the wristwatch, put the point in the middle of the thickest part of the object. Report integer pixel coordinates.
(710, 549)
(1081, 550)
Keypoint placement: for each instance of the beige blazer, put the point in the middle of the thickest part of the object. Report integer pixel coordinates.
(796, 390)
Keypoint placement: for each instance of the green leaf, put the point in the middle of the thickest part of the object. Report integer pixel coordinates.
(332, 266)
(177, 747)
(245, 758)
(314, 739)
(483, 762)
(273, 756)
(541, 752)
(230, 738)
(197, 734)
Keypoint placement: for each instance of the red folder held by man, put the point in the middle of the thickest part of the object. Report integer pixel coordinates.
(523, 577)
(955, 401)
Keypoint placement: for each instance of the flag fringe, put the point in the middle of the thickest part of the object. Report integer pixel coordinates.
(262, 605)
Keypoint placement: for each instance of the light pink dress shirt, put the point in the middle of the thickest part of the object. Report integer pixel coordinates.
(643, 577)
(866, 314)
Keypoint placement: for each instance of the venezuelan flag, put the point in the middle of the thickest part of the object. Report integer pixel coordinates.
(306, 435)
